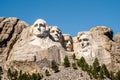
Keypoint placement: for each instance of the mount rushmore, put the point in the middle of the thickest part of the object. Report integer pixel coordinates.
(31, 48)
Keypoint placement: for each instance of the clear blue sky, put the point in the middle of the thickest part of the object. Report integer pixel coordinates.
(72, 16)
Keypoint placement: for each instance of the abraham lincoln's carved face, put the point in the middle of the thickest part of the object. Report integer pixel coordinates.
(86, 44)
(39, 28)
(84, 41)
(55, 33)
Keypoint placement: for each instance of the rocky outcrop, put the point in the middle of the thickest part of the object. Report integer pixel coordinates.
(103, 36)
(116, 53)
(90, 48)
(117, 38)
(10, 30)
(33, 48)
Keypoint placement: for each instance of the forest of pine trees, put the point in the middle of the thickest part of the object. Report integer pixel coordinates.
(95, 71)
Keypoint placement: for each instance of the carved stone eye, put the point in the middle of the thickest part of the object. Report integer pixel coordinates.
(85, 39)
(43, 25)
(58, 32)
(80, 40)
(66, 41)
(52, 31)
(36, 25)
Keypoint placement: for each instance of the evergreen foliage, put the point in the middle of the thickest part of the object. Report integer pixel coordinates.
(112, 76)
(74, 57)
(117, 76)
(66, 62)
(101, 75)
(74, 65)
(15, 75)
(81, 74)
(83, 64)
(24, 76)
(105, 71)
(12, 75)
(55, 66)
(1, 72)
(47, 73)
(96, 69)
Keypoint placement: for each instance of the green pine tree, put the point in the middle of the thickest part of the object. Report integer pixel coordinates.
(35, 76)
(96, 68)
(81, 74)
(96, 65)
(101, 75)
(12, 75)
(74, 57)
(26, 76)
(74, 65)
(1, 72)
(83, 64)
(55, 66)
(117, 76)
(47, 73)
(112, 76)
(66, 62)
(105, 71)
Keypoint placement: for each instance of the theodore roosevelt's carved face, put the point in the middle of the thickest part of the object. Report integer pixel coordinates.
(56, 33)
(68, 42)
(39, 28)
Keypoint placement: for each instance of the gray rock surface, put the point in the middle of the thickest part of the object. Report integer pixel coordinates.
(32, 49)
(33, 46)
(10, 31)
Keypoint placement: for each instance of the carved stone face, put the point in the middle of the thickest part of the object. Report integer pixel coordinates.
(56, 34)
(68, 42)
(84, 41)
(39, 28)
(86, 46)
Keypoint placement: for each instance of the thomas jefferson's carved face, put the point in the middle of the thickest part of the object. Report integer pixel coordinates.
(84, 40)
(39, 28)
(56, 34)
(68, 43)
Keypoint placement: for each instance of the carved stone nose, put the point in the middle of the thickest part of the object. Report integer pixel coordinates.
(56, 33)
(39, 29)
(82, 44)
(69, 42)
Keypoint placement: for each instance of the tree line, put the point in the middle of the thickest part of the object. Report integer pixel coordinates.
(94, 71)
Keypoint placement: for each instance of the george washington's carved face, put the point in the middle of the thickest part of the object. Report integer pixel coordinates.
(39, 28)
(68, 42)
(56, 34)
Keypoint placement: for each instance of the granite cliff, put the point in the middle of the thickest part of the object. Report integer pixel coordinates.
(33, 48)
